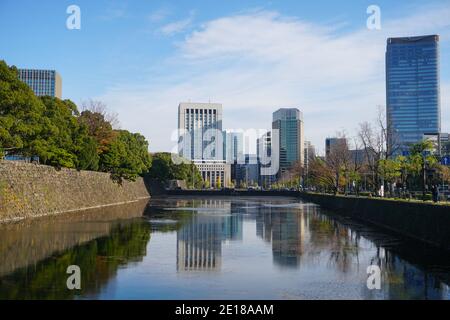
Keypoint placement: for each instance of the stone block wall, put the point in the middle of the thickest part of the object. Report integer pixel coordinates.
(425, 222)
(30, 190)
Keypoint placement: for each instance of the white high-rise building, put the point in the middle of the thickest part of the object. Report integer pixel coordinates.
(309, 153)
(201, 140)
(200, 128)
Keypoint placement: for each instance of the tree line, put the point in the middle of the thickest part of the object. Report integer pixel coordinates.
(373, 166)
(164, 169)
(58, 134)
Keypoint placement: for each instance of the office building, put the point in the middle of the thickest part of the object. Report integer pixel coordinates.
(234, 147)
(264, 153)
(289, 123)
(247, 173)
(358, 156)
(201, 140)
(444, 143)
(412, 91)
(332, 143)
(200, 131)
(42, 82)
(215, 173)
(309, 153)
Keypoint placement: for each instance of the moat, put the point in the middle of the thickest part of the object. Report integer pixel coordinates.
(215, 248)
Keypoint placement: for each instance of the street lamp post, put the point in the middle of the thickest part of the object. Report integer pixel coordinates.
(193, 176)
(424, 177)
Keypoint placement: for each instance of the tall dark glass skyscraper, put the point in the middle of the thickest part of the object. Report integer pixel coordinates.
(412, 90)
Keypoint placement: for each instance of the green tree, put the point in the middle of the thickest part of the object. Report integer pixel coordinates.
(444, 173)
(88, 158)
(190, 173)
(320, 175)
(446, 148)
(127, 156)
(164, 169)
(389, 169)
(20, 114)
(98, 128)
(61, 135)
(55, 131)
(218, 183)
(421, 157)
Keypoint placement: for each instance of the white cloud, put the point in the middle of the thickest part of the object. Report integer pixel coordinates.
(159, 15)
(257, 62)
(177, 26)
(114, 11)
(445, 107)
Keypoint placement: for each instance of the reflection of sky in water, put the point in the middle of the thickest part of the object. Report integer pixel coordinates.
(272, 248)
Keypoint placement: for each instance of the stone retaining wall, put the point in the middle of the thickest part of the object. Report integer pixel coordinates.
(30, 190)
(422, 221)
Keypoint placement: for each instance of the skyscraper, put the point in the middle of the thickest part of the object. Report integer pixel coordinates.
(412, 91)
(234, 146)
(289, 123)
(201, 140)
(310, 153)
(42, 82)
(264, 153)
(200, 127)
(248, 172)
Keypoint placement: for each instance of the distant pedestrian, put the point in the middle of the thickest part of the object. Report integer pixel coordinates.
(381, 191)
(435, 193)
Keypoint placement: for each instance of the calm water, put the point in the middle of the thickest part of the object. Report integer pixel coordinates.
(216, 248)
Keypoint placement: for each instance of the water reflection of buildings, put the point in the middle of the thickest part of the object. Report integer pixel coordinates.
(402, 280)
(409, 282)
(285, 228)
(198, 245)
(303, 234)
(288, 230)
(199, 242)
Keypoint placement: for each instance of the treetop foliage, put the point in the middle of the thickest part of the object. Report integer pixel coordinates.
(55, 131)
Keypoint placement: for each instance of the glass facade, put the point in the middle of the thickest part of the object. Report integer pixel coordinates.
(42, 82)
(264, 153)
(234, 147)
(331, 143)
(412, 90)
(289, 122)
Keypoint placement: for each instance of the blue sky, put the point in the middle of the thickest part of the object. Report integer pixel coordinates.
(144, 57)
